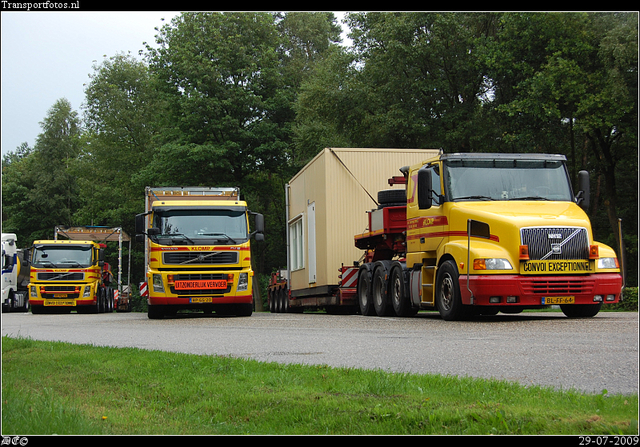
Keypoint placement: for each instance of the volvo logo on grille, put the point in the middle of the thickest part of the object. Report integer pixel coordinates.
(554, 236)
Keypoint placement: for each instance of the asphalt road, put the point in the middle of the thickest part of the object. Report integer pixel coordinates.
(545, 349)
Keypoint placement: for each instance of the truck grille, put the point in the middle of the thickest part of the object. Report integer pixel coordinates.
(552, 287)
(556, 242)
(200, 258)
(48, 276)
(71, 291)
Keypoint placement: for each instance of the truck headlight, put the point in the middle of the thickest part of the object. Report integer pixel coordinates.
(608, 263)
(492, 264)
(87, 292)
(157, 283)
(243, 282)
(34, 292)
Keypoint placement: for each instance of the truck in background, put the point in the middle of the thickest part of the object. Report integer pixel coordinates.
(15, 275)
(197, 251)
(71, 274)
(475, 234)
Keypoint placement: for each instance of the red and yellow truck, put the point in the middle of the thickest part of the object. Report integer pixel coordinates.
(198, 251)
(474, 234)
(71, 274)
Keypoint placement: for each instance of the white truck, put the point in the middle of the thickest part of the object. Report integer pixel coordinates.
(15, 275)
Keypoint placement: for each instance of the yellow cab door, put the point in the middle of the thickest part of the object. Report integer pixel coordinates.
(426, 228)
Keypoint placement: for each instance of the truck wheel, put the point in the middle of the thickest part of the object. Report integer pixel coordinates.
(398, 294)
(364, 292)
(112, 300)
(243, 310)
(284, 296)
(448, 300)
(155, 312)
(37, 309)
(272, 302)
(380, 293)
(392, 197)
(580, 310)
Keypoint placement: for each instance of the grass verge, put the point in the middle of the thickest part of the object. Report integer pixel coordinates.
(61, 388)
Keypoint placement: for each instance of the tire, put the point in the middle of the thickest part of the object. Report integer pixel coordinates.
(398, 294)
(389, 197)
(448, 299)
(112, 301)
(272, 302)
(365, 301)
(243, 310)
(580, 310)
(380, 293)
(37, 309)
(155, 312)
(284, 296)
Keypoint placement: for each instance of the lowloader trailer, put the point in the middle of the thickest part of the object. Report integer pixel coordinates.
(469, 234)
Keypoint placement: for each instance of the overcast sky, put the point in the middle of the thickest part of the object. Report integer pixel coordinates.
(49, 55)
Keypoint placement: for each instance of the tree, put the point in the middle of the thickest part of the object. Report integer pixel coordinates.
(39, 188)
(219, 74)
(414, 81)
(577, 95)
(228, 82)
(120, 115)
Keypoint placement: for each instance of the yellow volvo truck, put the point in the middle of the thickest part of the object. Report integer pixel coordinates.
(493, 232)
(68, 275)
(198, 253)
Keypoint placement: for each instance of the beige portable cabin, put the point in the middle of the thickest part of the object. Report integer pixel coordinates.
(327, 202)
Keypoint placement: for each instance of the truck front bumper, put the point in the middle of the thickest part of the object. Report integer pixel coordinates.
(194, 301)
(524, 290)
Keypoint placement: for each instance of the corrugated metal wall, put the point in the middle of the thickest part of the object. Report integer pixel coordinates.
(343, 183)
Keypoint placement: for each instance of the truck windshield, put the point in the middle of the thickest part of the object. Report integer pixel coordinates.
(506, 180)
(63, 256)
(201, 226)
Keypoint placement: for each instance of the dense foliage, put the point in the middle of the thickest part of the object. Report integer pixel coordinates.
(246, 99)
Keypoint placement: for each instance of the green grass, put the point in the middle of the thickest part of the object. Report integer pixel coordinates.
(61, 388)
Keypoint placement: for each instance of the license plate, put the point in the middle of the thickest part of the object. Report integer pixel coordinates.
(201, 299)
(558, 300)
(201, 284)
(59, 302)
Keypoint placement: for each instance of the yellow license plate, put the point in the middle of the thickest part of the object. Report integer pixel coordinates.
(59, 302)
(201, 299)
(558, 300)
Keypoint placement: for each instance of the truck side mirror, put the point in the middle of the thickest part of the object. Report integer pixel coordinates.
(259, 232)
(101, 257)
(584, 195)
(424, 189)
(140, 223)
(259, 223)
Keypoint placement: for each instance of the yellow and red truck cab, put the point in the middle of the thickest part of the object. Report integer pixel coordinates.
(504, 232)
(71, 274)
(198, 252)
